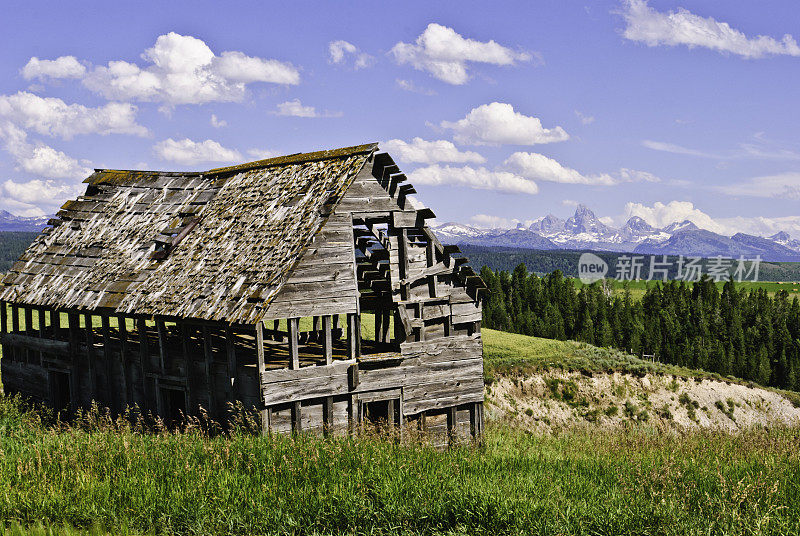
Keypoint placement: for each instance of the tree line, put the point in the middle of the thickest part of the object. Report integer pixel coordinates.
(735, 331)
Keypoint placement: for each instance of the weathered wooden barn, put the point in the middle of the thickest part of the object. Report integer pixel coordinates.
(173, 292)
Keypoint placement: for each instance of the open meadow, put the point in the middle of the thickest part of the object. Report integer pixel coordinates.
(105, 476)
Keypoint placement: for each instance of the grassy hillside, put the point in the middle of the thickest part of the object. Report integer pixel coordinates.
(106, 475)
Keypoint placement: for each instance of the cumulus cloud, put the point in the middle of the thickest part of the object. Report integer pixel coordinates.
(180, 69)
(295, 108)
(62, 67)
(477, 178)
(661, 215)
(37, 158)
(782, 185)
(682, 27)
(339, 52)
(218, 123)
(536, 166)
(408, 85)
(487, 221)
(430, 152)
(36, 197)
(498, 124)
(53, 117)
(189, 152)
(445, 54)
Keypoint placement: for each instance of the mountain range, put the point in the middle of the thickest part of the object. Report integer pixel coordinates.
(584, 230)
(11, 222)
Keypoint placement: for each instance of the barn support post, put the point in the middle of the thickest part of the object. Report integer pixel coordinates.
(55, 322)
(276, 328)
(327, 415)
(327, 339)
(111, 393)
(451, 425)
(187, 368)
(122, 328)
(378, 325)
(232, 385)
(294, 348)
(265, 412)
(73, 325)
(4, 328)
(162, 345)
(353, 336)
(208, 358)
(42, 331)
(15, 329)
(476, 421)
(294, 363)
(87, 324)
(28, 332)
(315, 329)
(141, 327)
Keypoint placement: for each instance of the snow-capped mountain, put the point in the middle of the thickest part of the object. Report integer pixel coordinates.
(785, 240)
(11, 222)
(584, 230)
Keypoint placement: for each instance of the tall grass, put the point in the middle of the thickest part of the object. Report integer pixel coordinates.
(105, 474)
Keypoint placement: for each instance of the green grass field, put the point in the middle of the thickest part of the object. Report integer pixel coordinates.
(638, 288)
(106, 477)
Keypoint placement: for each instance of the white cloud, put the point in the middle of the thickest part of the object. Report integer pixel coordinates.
(189, 152)
(408, 85)
(683, 27)
(477, 178)
(218, 123)
(585, 119)
(340, 50)
(498, 124)
(444, 54)
(37, 158)
(62, 67)
(761, 226)
(53, 117)
(295, 108)
(262, 154)
(487, 221)
(661, 215)
(569, 203)
(677, 149)
(539, 167)
(763, 150)
(782, 185)
(430, 152)
(36, 197)
(179, 69)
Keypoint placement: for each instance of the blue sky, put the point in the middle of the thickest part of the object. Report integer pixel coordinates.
(499, 112)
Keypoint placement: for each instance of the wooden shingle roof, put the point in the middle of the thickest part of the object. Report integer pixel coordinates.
(216, 245)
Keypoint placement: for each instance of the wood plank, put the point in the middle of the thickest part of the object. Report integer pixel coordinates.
(294, 352)
(208, 358)
(327, 339)
(36, 344)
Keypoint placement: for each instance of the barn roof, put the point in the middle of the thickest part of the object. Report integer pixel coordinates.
(215, 245)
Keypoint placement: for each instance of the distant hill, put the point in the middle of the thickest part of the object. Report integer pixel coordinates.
(546, 261)
(11, 222)
(12, 245)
